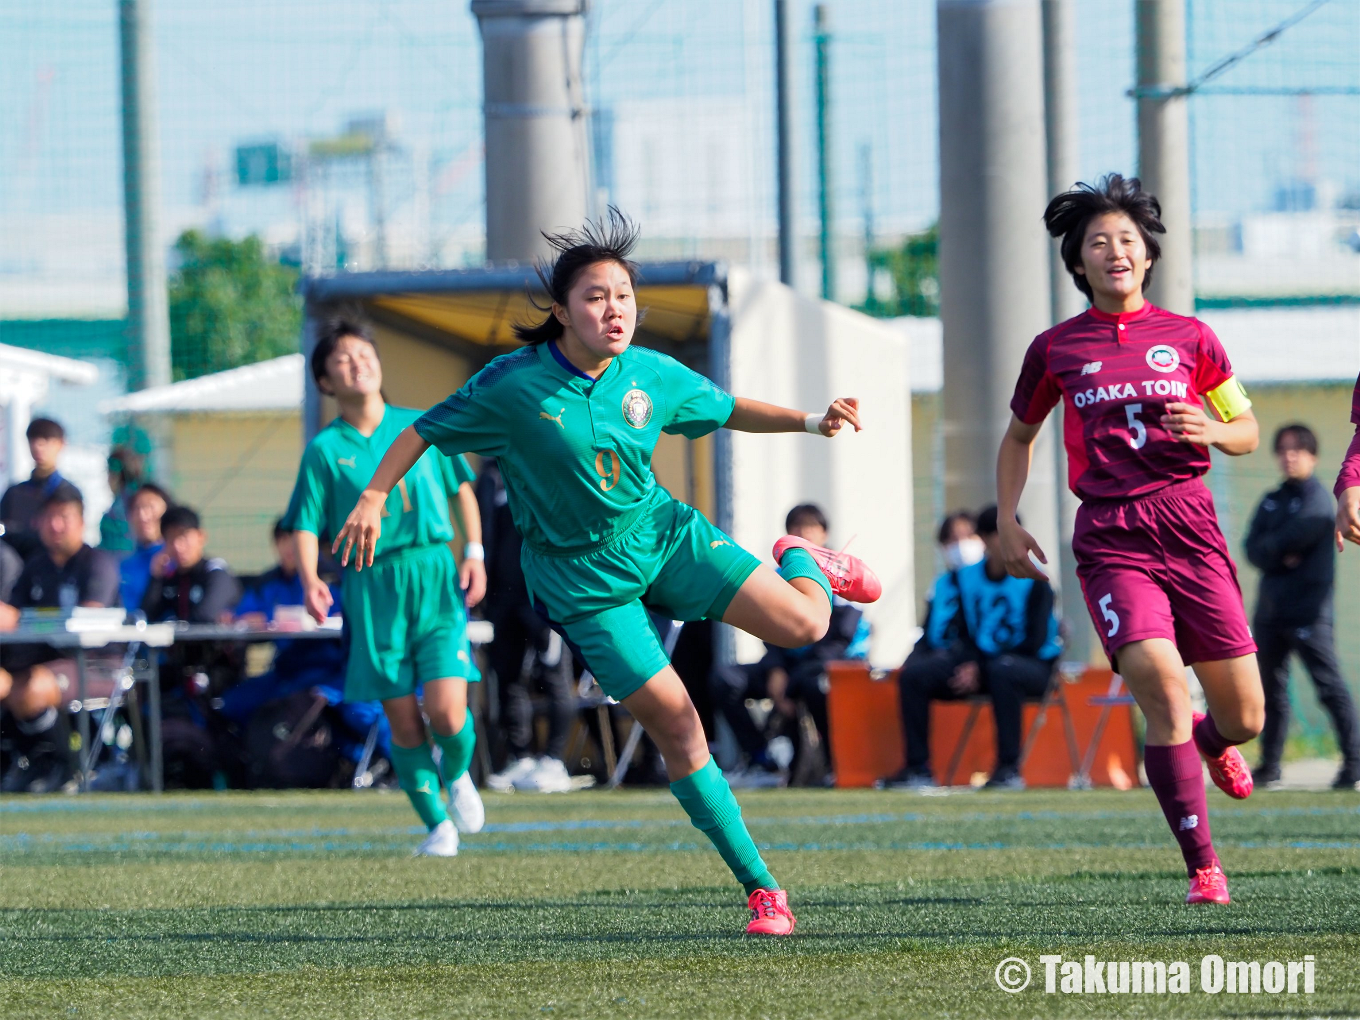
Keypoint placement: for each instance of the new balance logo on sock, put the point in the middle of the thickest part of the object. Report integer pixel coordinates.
(1189, 822)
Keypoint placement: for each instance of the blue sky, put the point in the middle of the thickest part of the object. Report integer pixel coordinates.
(247, 69)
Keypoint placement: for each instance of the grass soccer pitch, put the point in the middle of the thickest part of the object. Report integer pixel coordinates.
(611, 905)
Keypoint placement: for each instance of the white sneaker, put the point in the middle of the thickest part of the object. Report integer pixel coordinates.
(441, 842)
(549, 777)
(465, 804)
(753, 777)
(504, 780)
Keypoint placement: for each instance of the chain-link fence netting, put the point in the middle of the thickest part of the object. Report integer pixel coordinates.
(346, 135)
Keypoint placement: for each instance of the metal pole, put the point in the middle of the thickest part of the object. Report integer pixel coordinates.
(1164, 146)
(537, 159)
(825, 205)
(788, 208)
(148, 306)
(1061, 122)
(994, 282)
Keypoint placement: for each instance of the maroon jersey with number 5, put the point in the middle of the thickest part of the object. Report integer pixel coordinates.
(1115, 375)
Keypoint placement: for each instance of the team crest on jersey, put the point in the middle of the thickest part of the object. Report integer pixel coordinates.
(1163, 359)
(637, 408)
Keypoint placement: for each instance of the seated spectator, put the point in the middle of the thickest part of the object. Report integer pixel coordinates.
(959, 542)
(126, 476)
(300, 665)
(986, 633)
(23, 501)
(186, 585)
(786, 675)
(63, 574)
(144, 511)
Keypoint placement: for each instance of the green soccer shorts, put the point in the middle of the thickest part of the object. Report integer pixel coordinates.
(673, 562)
(406, 623)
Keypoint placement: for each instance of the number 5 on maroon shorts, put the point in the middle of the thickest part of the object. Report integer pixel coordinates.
(1158, 567)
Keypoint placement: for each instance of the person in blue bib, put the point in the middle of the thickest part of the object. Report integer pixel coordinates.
(986, 633)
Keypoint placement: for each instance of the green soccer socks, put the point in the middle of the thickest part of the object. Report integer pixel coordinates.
(420, 779)
(799, 563)
(456, 750)
(708, 801)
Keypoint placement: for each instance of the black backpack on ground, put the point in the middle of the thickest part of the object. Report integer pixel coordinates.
(290, 743)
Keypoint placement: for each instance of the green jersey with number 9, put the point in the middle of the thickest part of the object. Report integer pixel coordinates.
(576, 452)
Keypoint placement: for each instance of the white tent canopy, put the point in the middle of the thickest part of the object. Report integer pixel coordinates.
(24, 379)
(274, 385)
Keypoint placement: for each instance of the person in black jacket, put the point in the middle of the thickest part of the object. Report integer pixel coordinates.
(520, 630)
(189, 587)
(785, 675)
(23, 501)
(63, 574)
(1290, 542)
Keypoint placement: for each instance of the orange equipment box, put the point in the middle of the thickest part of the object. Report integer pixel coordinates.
(867, 743)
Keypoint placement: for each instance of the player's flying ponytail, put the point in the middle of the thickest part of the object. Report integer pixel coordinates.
(610, 240)
(1069, 213)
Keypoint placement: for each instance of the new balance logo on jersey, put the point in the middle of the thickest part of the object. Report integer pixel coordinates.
(345, 461)
(1091, 367)
(554, 417)
(1189, 822)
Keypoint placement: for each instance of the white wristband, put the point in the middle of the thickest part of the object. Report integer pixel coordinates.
(812, 423)
(473, 551)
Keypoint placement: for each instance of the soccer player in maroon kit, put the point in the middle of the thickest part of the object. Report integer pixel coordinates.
(1348, 484)
(1152, 561)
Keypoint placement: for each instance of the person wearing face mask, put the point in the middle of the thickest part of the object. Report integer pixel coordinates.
(145, 508)
(986, 633)
(959, 545)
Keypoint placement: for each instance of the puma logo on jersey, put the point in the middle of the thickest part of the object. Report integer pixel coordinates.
(1091, 367)
(345, 461)
(717, 542)
(557, 417)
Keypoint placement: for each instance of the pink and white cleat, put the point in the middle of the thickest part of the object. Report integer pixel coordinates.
(850, 576)
(1209, 885)
(770, 914)
(1229, 770)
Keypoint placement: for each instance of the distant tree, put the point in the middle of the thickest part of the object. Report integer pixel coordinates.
(230, 305)
(912, 272)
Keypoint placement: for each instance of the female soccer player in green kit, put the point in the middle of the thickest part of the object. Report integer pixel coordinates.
(405, 615)
(573, 419)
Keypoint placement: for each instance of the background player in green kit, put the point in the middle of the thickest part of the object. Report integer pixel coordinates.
(572, 420)
(405, 614)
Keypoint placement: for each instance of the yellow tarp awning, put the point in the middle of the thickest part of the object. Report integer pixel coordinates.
(677, 313)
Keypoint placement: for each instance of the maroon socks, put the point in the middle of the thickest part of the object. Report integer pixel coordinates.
(1175, 775)
(1209, 740)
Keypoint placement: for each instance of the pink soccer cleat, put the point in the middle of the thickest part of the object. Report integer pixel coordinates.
(1209, 885)
(1229, 770)
(850, 576)
(770, 914)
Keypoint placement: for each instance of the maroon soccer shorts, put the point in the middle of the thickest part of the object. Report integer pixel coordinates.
(1158, 567)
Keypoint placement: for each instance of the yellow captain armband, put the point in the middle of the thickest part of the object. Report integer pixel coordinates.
(1229, 400)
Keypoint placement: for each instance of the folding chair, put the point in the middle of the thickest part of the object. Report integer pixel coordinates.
(123, 682)
(1107, 703)
(1053, 696)
(630, 745)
